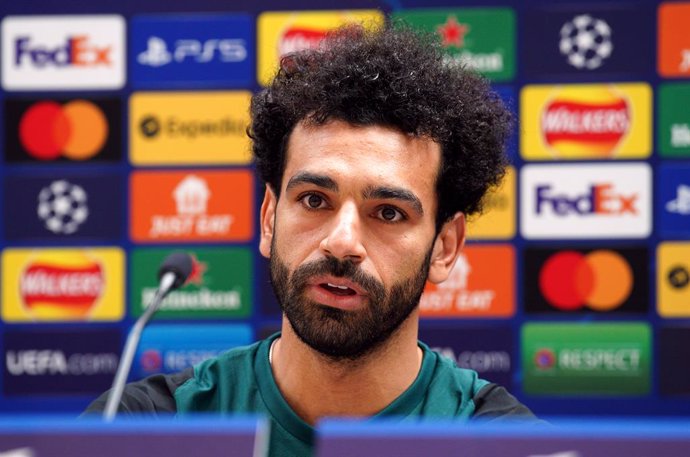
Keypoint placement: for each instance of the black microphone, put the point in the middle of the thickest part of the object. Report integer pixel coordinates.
(172, 273)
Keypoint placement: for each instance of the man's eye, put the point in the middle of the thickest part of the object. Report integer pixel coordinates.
(313, 201)
(389, 214)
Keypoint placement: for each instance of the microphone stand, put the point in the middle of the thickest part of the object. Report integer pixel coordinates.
(166, 284)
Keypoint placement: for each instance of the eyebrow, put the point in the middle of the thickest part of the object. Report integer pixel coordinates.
(312, 178)
(378, 192)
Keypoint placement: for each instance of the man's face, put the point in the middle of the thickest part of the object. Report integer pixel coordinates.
(352, 237)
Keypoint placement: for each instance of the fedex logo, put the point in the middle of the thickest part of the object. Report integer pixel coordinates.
(63, 52)
(77, 50)
(598, 199)
(585, 201)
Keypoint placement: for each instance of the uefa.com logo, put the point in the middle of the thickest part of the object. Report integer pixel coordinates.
(586, 201)
(63, 52)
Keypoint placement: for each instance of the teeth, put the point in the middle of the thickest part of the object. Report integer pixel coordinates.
(337, 286)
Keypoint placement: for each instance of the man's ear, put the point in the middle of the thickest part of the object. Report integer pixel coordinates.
(447, 248)
(267, 220)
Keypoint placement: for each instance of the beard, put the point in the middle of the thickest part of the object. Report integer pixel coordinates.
(339, 334)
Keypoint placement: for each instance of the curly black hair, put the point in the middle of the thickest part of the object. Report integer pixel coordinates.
(396, 77)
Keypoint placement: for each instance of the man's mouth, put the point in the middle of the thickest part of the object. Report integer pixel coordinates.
(337, 289)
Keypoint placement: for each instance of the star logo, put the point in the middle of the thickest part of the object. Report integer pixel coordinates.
(453, 33)
(196, 277)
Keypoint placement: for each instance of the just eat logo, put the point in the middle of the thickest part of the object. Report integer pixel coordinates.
(76, 50)
(599, 199)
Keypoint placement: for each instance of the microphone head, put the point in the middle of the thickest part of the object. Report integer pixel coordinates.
(180, 264)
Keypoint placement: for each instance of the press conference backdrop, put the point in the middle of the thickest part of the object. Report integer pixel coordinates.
(122, 129)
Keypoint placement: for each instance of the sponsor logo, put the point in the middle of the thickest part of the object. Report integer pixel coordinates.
(488, 351)
(63, 52)
(586, 42)
(673, 279)
(673, 126)
(70, 130)
(597, 42)
(592, 359)
(172, 348)
(673, 353)
(673, 50)
(199, 50)
(585, 201)
(199, 128)
(594, 121)
(481, 284)
(218, 287)
(599, 280)
(192, 206)
(480, 38)
(62, 284)
(64, 208)
(673, 200)
(283, 33)
(497, 221)
(59, 362)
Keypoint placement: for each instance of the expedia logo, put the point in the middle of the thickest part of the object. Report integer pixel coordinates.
(678, 277)
(600, 199)
(53, 285)
(77, 50)
(298, 38)
(176, 128)
(596, 125)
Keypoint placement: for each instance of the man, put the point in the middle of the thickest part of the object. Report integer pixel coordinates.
(373, 150)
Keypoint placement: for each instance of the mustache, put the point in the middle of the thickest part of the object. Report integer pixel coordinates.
(340, 269)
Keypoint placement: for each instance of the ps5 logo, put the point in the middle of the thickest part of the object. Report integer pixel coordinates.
(158, 54)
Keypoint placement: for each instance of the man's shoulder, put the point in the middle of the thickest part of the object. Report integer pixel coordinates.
(475, 397)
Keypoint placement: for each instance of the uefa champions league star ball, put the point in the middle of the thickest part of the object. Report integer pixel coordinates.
(62, 206)
(586, 41)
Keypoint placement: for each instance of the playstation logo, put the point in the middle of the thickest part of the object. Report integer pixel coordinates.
(156, 54)
(681, 204)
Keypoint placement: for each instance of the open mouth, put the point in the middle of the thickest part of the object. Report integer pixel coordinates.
(337, 290)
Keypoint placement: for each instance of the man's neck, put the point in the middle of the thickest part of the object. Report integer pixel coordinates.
(316, 386)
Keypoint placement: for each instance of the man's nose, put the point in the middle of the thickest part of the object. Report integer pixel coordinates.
(343, 239)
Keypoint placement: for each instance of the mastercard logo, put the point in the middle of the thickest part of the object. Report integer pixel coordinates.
(77, 130)
(601, 280)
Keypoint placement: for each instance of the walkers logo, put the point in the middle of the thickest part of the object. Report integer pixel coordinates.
(62, 284)
(219, 286)
(498, 219)
(480, 38)
(586, 359)
(590, 41)
(586, 121)
(189, 127)
(586, 280)
(59, 362)
(673, 43)
(283, 33)
(673, 279)
(69, 207)
(481, 284)
(673, 128)
(586, 201)
(487, 350)
(65, 130)
(673, 200)
(674, 353)
(200, 50)
(63, 52)
(172, 348)
(192, 206)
